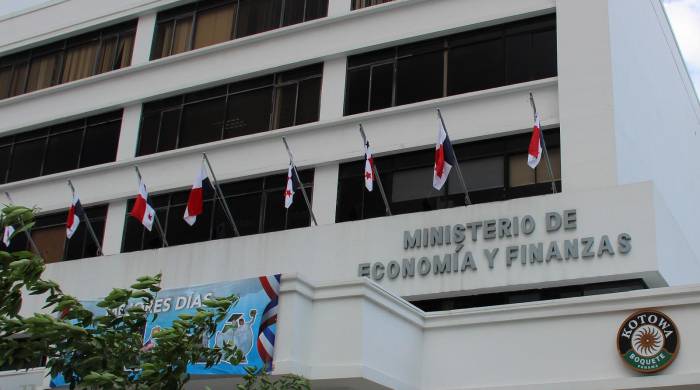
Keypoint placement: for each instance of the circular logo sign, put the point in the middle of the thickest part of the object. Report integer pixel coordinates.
(648, 341)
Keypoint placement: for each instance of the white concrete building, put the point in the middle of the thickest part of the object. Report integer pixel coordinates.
(524, 289)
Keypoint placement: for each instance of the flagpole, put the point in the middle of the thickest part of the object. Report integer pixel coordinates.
(467, 201)
(155, 214)
(544, 146)
(376, 174)
(87, 223)
(220, 194)
(301, 185)
(26, 233)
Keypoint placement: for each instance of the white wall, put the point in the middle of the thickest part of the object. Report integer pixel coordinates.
(657, 114)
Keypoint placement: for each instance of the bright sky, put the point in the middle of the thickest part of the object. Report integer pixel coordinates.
(684, 15)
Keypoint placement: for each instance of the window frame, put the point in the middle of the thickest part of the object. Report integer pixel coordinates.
(276, 81)
(446, 44)
(163, 203)
(60, 48)
(350, 174)
(47, 133)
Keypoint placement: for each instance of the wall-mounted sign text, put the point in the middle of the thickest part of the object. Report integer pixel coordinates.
(459, 237)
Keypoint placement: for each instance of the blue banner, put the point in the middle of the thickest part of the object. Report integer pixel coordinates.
(250, 324)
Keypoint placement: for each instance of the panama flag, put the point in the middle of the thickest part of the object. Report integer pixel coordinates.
(289, 189)
(444, 158)
(369, 168)
(74, 214)
(195, 203)
(534, 152)
(7, 235)
(142, 210)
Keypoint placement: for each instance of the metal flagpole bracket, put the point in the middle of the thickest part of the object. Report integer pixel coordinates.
(544, 145)
(26, 233)
(301, 184)
(220, 195)
(87, 222)
(155, 214)
(467, 200)
(376, 174)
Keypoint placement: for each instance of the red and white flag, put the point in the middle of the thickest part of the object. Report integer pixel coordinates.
(142, 210)
(444, 158)
(7, 235)
(75, 212)
(534, 151)
(289, 189)
(195, 203)
(369, 168)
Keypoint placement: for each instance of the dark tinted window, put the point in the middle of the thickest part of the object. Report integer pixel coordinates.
(257, 206)
(466, 62)
(246, 107)
(208, 22)
(49, 235)
(60, 148)
(493, 170)
(67, 60)
(494, 299)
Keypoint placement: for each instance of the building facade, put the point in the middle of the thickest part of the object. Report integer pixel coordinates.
(525, 288)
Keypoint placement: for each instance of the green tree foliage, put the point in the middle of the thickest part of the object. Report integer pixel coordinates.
(106, 352)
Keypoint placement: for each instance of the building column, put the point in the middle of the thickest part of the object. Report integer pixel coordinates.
(129, 132)
(338, 7)
(144, 39)
(325, 194)
(114, 228)
(333, 88)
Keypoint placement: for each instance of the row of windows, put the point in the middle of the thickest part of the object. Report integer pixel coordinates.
(63, 147)
(257, 206)
(206, 23)
(67, 60)
(493, 170)
(251, 106)
(475, 60)
(49, 235)
(534, 295)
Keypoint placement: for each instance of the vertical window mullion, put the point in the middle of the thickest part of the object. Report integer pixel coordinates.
(393, 82)
(82, 143)
(179, 124)
(193, 28)
(296, 103)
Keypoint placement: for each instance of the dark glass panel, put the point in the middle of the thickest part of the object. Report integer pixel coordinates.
(202, 122)
(246, 212)
(308, 101)
(248, 112)
(5, 81)
(544, 54)
(169, 128)
(256, 16)
(148, 136)
(357, 95)
(179, 232)
(27, 159)
(382, 86)
(293, 12)
(285, 106)
(63, 152)
(475, 67)
(316, 9)
(518, 57)
(101, 142)
(419, 77)
(4, 162)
